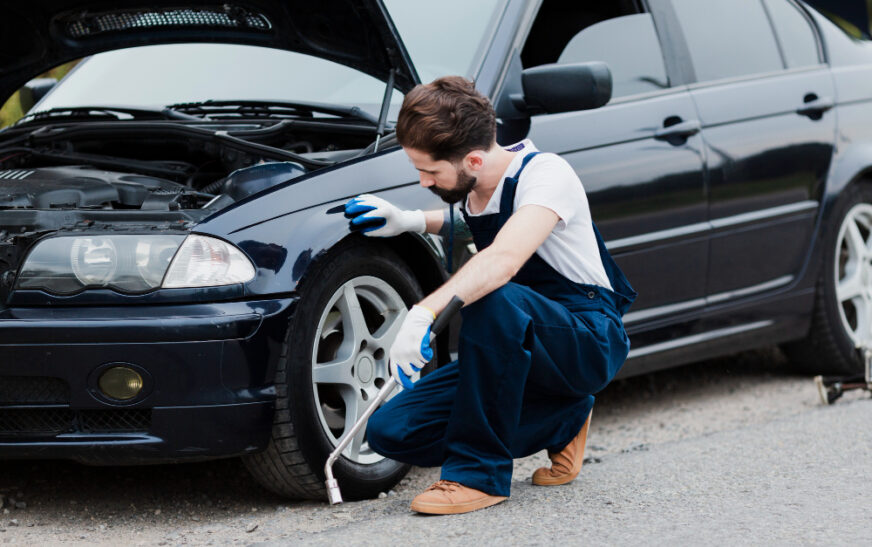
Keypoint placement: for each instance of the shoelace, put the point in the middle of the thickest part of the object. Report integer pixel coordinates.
(446, 486)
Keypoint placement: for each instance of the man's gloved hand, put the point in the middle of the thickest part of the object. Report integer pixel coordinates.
(411, 349)
(374, 216)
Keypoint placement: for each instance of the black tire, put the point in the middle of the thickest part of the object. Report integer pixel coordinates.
(293, 463)
(828, 347)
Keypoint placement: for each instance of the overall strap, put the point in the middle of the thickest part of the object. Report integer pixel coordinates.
(507, 199)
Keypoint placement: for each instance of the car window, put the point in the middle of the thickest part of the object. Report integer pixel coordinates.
(794, 33)
(636, 64)
(728, 38)
(615, 32)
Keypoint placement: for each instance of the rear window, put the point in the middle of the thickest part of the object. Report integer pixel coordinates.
(728, 38)
(794, 33)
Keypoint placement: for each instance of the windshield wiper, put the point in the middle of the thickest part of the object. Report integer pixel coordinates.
(269, 109)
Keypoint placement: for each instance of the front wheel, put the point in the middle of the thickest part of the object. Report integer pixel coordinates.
(842, 319)
(334, 362)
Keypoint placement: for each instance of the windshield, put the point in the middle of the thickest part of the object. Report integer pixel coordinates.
(439, 41)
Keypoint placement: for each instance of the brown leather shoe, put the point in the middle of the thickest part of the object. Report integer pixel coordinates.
(565, 464)
(450, 498)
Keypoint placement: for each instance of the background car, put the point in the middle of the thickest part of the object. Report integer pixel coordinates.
(177, 279)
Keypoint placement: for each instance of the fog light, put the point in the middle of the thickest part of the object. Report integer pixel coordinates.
(121, 383)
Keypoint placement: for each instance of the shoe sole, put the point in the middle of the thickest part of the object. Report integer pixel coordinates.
(547, 479)
(456, 508)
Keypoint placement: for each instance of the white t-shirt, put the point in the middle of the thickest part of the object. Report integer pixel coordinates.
(548, 180)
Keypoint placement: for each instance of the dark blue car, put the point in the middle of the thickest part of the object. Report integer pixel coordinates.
(177, 277)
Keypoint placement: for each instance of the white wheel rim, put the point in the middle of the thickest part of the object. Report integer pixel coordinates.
(350, 357)
(853, 273)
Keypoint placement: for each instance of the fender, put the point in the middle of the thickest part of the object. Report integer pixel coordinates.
(286, 229)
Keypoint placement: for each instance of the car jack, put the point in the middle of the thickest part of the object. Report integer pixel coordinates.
(830, 388)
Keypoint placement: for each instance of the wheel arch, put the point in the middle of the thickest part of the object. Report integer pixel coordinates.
(419, 253)
(422, 254)
(850, 167)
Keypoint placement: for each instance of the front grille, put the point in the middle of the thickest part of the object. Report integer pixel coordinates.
(114, 421)
(35, 422)
(227, 16)
(50, 421)
(33, 390)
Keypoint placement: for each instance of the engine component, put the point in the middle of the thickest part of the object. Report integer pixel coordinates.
(80, 186)
(245, 182)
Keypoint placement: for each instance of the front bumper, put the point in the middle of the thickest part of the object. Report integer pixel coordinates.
(208, 374)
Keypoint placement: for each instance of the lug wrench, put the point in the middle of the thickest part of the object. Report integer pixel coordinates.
(333, 493)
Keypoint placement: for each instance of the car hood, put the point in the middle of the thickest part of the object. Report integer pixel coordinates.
(40, 34)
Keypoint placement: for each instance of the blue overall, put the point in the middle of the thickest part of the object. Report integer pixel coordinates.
(531, 355)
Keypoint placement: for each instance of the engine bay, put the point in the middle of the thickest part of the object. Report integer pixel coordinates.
(161, 166)
(91, 175)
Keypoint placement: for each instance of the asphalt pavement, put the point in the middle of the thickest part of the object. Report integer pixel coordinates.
(799, 480)
(733, 451)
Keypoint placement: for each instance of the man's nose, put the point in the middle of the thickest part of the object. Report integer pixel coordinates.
(427, 182)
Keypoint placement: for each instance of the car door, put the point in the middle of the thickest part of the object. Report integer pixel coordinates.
(764, 96)
(639, 157)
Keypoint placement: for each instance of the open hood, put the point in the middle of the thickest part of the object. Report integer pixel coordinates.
(40, 34)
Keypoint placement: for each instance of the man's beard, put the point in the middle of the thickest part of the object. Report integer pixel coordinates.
(465, 183)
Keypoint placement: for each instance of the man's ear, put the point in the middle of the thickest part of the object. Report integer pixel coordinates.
(474, 160)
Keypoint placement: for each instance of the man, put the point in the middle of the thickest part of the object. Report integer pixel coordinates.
(542, 328)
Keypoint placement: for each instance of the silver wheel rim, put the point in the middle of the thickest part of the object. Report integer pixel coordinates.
(853, 273)
(350, 357)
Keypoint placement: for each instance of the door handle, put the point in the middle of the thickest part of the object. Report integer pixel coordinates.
(815, 106)
(682, 129)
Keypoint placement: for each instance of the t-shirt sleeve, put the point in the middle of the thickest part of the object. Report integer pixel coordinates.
(551, 182)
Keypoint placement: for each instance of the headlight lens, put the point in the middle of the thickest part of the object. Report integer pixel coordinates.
(205, 261)
(94, 260)
(132, 263)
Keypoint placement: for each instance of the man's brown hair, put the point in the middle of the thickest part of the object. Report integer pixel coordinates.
(447, 119)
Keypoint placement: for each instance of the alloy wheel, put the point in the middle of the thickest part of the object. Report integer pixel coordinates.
(853, 273)
(350, 357)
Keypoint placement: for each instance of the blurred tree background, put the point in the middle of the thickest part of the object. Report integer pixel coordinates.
(11, 112)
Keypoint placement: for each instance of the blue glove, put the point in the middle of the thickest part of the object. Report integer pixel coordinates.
(373, 216)
(411, 348)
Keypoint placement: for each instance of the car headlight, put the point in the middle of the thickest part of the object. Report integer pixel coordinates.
(132, 263)
(205, 262)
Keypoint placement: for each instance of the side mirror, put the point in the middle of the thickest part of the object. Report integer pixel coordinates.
(34, 90)
(550, 89)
